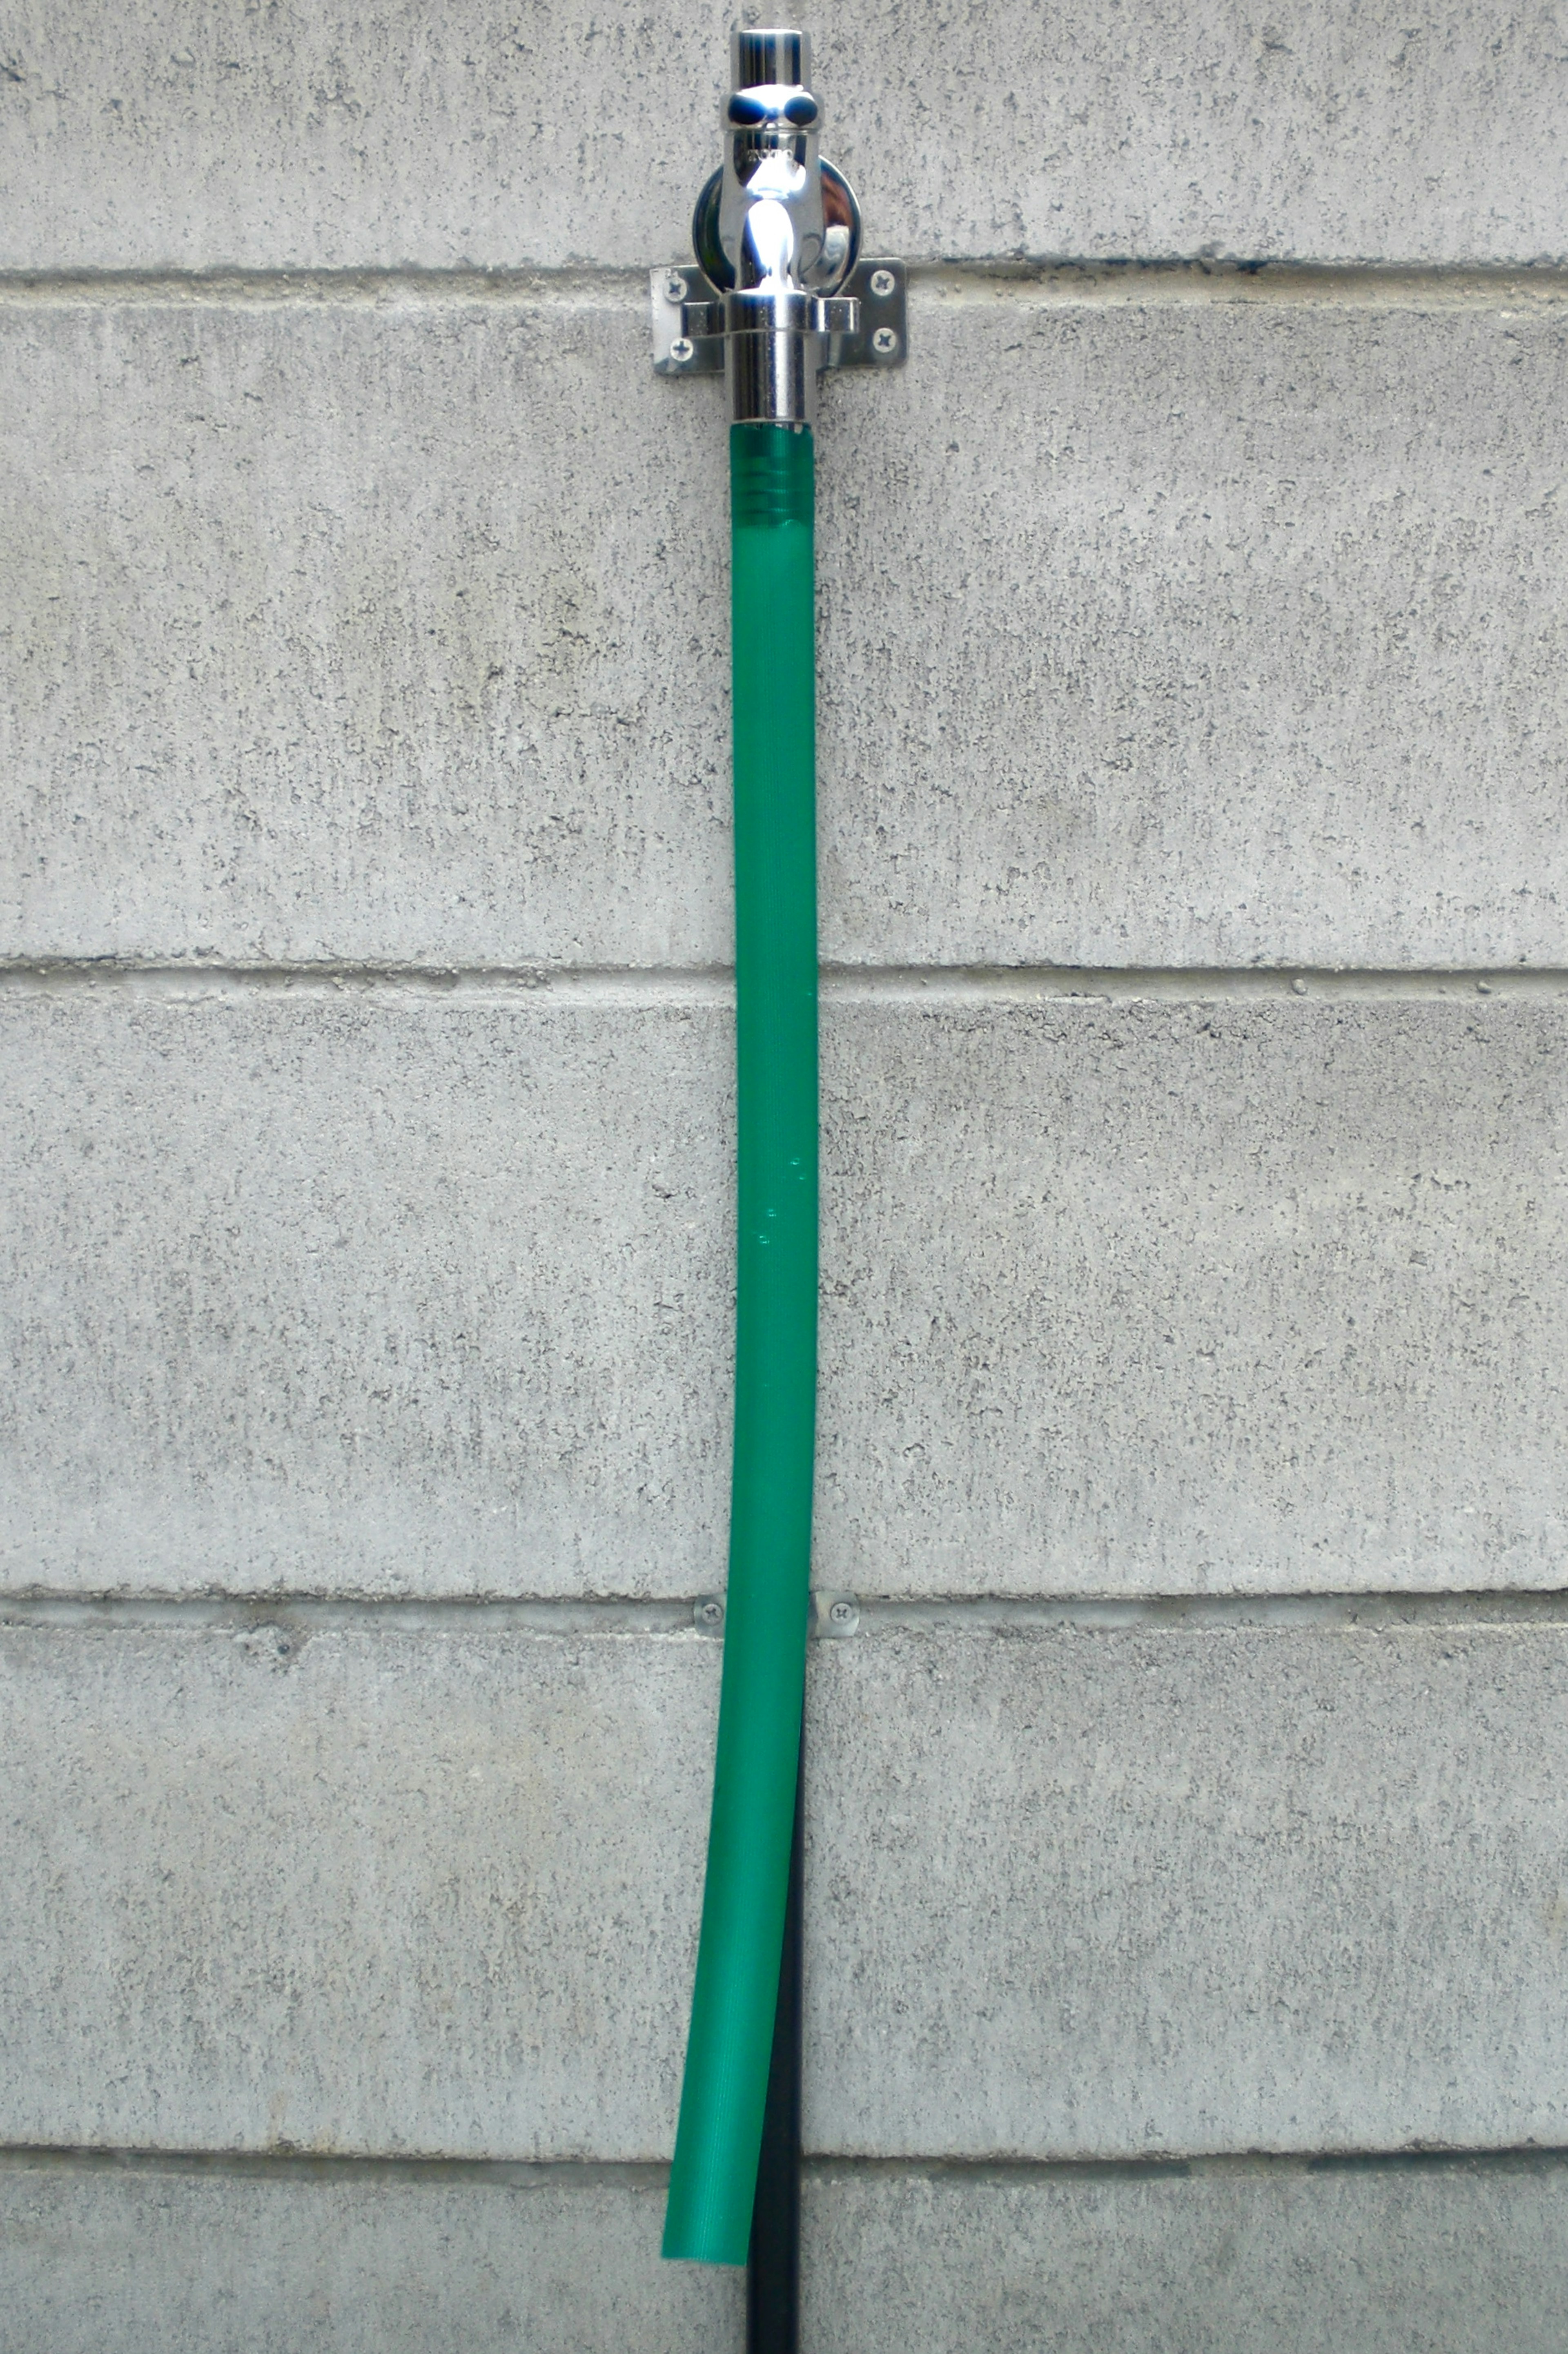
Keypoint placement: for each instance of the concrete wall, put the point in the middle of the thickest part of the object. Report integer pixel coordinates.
(1186, 1904)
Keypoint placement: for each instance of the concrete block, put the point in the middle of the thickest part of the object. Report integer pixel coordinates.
(1214, 633)
(1166, 1891)
(150, 2261)
(1173, 632)
(190, 136)
(1418, 2258)
(1153, 1299)
(364, 1889)
(377, 1292)
(365, 1297)
(362, 634)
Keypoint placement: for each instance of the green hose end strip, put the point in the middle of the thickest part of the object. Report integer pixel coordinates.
(713, 2178)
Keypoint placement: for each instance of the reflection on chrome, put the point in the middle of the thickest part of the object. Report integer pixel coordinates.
(779, 230)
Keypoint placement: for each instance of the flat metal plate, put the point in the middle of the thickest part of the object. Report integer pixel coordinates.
(674, 352)
(880, 288)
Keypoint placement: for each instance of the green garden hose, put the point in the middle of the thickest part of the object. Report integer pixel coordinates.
(772, 594)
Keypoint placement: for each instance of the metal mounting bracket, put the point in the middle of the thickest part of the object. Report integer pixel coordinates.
(866, 322)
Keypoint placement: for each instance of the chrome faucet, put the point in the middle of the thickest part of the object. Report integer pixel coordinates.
(774, 229)
(776, 234)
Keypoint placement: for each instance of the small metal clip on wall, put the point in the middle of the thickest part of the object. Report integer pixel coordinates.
(780, 289)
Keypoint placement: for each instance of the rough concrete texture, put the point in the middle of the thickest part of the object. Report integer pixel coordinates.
(372, 1889)
(176, 133)
(1207, 633)
(337, 634)
(366, 1296)
(1172, 1890)
(1174, 1299)
(380, 1292)
(434, 1890)
(143, 2262)
(1165, 632)
(1424, 2259)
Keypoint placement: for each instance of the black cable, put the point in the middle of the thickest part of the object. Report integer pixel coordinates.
(773, 2263)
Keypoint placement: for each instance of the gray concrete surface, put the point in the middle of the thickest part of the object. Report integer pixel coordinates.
(1194, 630)
(191, 135)
(1215, 633)
(153, 2261)
(363, 1889)
(1430, 2259)
(335, 634)
(433, 1889)
(366, 1296)
(382, 1292)
(1157, 1298)
(1172, 1890)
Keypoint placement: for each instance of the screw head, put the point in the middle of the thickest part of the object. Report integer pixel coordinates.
(676, 287)
(834, 1614)
(883, 283)
(681, 350)
(708, 1612)
(883, 343)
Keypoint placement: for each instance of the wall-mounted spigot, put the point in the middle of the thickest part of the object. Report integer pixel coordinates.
(774, 228)
(780, 292)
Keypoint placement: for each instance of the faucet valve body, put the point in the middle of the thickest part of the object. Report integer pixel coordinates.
(777, 236)
(783, 258)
